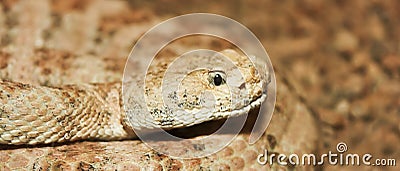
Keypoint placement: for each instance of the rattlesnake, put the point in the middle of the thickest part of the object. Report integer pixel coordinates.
(291, 130)
(42, 115)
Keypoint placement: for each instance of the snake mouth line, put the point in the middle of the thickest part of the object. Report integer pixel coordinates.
(253, 104)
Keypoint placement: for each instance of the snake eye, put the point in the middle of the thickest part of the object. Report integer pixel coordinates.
(217, 78)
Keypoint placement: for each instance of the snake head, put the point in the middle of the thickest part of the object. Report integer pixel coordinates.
(195, 88)
(228, 88)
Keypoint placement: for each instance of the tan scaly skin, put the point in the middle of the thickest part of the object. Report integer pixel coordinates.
(41, 115)
(27, 57)
(104, 109)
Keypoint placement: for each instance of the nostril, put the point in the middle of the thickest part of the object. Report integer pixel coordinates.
(242, 86)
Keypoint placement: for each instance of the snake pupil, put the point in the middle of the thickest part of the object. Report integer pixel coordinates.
(218, 80)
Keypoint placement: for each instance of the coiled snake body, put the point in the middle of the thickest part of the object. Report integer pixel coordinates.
(40, 114)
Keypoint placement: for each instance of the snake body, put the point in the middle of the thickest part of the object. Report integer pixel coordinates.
(40, 114)
(37, 114)
(48, 95)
